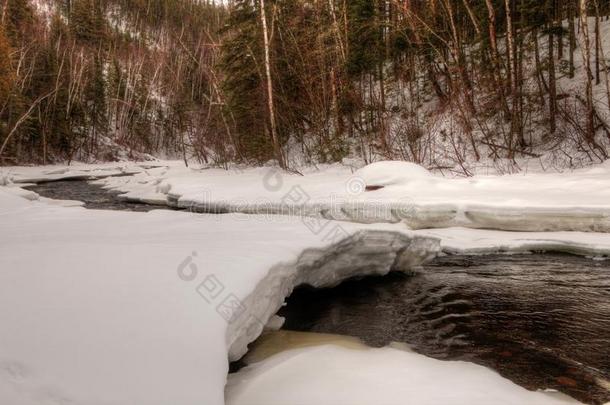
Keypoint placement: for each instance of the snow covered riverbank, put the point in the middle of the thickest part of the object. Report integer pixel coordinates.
(76, 171)
(123, 308)
(573, 201)
(114, 307)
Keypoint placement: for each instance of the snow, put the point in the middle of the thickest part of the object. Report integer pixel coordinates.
(334, 375)
(119, 307)
(577, 200)
(32, 196)
(478, 241)
(421, 127)
(76, 171)
(389, 173)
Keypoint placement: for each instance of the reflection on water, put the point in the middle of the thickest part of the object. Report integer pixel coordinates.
(271, 343)
(542, 321)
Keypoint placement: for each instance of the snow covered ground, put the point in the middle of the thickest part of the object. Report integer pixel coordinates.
(105, 307)
(102, 307)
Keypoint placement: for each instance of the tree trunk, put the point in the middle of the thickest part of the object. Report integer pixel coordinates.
(458, 54)
(496, 68)
(274, 138)
(552, 85)
(511, 44)
(512, 63)
(597, 46)
(603, 61)
(572, 37)
(586, 56)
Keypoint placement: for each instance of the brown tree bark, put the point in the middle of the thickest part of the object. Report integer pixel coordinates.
(571, 38)
(586, 56)
(552, 85)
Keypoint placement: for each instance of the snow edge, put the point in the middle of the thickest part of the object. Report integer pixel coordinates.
(364, 253)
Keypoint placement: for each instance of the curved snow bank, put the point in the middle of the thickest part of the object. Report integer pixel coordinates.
(416, 216)
(333, 375)
(381, 174)
(525, 219)
(361, 254)
(21, 192)
(478, 241)
(571, 201)
(143, 308)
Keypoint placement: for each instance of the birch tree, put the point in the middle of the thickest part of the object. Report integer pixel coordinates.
(272, 123)
(586, 58)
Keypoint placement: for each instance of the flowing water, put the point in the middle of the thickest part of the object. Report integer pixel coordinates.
(541, 320)
(93, 195)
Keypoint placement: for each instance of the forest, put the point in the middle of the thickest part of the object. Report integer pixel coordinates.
(444, 83)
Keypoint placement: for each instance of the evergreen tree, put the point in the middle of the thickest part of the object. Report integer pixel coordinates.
(18, 19)
(87, 21)
(7, 75)
(95, 99)
(242, 63)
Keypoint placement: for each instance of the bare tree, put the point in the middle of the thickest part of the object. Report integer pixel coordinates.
(586, 57)
(274, 138)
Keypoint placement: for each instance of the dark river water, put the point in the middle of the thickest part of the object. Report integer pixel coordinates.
(541, 320)
(94, 196)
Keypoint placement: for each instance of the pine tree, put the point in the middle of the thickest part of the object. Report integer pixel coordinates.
(364, 38)
(242, 63)
(18, 19)
(87, 21)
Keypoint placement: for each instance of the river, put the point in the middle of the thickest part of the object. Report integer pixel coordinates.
(540, 320)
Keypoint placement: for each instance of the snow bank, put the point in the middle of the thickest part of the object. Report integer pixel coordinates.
(571, 201)
(477, 241)
(20, 192)
(333, 375)
(122, 307)
(361, 254)
(391, 173)
(76, 171)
